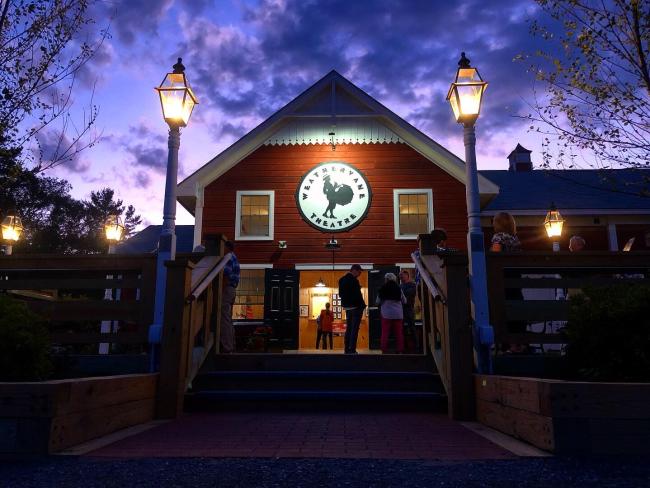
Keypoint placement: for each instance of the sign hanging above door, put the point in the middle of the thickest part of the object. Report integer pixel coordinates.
(333, 197)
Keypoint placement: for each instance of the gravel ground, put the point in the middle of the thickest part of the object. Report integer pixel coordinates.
(249, 473)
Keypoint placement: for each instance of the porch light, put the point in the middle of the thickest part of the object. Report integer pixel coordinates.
(176, 97)
(12, 227)
(466, 92)
(114, 229)
(553, 222)
(320, 283)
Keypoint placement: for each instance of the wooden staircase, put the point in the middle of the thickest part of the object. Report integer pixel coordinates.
(317, 382)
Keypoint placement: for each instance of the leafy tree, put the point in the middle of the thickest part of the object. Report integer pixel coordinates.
(596, 72)
(24, 343)
(607, 333)
(43, 46)
(55, 221)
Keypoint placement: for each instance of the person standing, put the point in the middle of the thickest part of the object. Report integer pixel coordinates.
(229, 290)
(353, 303)
(325, 326)
(391, 300)
(409, 290)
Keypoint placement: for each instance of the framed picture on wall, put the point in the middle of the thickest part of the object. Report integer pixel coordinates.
(304, 310)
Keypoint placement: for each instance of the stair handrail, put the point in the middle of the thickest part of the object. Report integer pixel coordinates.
(435, 291)
(205, 282)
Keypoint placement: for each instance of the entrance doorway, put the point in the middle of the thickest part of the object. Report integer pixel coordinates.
(375, 281)
(281, 305)
(318, 287)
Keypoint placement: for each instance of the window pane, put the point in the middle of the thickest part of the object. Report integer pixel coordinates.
(249, 302)
(413, 213)
(255, 212)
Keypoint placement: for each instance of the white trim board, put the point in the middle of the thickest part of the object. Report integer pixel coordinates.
(326, 267)
(255, 266)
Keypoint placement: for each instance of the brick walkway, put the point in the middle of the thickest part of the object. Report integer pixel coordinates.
(315, 435)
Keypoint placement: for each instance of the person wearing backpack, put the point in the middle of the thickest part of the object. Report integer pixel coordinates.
(390, 300)
(325, 325)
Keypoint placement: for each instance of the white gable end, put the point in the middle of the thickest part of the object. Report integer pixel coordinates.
(333, 104)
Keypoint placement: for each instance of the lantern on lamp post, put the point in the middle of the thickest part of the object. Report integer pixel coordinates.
(553, 224)
(177, 101)
(114, 230)
(465, 96)
(12, 230)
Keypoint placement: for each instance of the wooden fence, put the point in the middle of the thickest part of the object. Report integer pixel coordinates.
(528, 291)
(75, 294)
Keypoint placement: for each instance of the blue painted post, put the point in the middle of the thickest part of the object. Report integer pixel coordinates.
(483, 332)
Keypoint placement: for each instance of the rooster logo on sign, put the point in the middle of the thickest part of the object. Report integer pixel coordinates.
(336, 195)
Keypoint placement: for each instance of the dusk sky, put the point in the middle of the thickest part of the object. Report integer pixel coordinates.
(247, 58)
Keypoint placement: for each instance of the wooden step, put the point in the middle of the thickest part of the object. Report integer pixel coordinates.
(318, 380)
(315, 400)
(319, 362)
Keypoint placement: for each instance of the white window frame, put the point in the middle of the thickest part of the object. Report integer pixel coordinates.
(411, 191)
(240, 194)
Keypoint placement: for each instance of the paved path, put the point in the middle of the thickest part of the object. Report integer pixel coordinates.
(86, 472)
(308, 435)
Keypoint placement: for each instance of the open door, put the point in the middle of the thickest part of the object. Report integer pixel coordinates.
(281, 310)
(375, 280)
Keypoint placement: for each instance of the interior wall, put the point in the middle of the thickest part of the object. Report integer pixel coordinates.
(311, 295)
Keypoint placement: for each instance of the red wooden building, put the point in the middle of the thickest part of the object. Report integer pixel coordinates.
(335, 164)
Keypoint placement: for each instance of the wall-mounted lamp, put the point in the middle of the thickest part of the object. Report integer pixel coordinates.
(282, 244)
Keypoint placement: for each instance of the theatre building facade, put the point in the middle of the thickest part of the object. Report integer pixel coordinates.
(333, 178)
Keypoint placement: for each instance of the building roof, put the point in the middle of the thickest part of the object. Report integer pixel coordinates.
(146, 240)
(519, 150)
(581, 190)
(331, 98)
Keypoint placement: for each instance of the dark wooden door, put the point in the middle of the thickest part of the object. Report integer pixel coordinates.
(375, 280)
(281, 310)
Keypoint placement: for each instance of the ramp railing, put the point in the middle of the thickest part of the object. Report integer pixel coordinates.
(191, 326)
(444, 294)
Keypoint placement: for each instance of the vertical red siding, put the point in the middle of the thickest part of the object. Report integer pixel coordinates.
(386, 166)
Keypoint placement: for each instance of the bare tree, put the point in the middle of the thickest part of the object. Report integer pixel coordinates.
(43, 46)
(595, 71)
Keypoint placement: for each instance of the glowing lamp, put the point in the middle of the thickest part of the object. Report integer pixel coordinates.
(466, 93)
(114, 229)
(176, 97)
(553, 223)
(320, 283)
(12, 228)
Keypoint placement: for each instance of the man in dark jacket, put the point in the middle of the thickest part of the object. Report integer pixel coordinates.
(353, 303)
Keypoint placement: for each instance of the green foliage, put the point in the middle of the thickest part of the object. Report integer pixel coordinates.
(54, 221)
(24, 343)
(595, 69)
(609, 333)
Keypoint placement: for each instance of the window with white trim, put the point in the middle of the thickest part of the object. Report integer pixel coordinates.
(412, 212)
(249, 301)
(254, 215)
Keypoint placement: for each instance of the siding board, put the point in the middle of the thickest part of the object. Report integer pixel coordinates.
(386, 166)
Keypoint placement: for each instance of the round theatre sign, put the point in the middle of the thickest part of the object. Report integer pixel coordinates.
(333, 197)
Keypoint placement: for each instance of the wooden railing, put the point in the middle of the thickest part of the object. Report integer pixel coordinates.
(528, 291)
(446, 314)
(191, 326)
(75, 294)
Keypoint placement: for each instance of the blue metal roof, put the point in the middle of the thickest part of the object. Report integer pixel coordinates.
(146, 240)
(615, 189)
